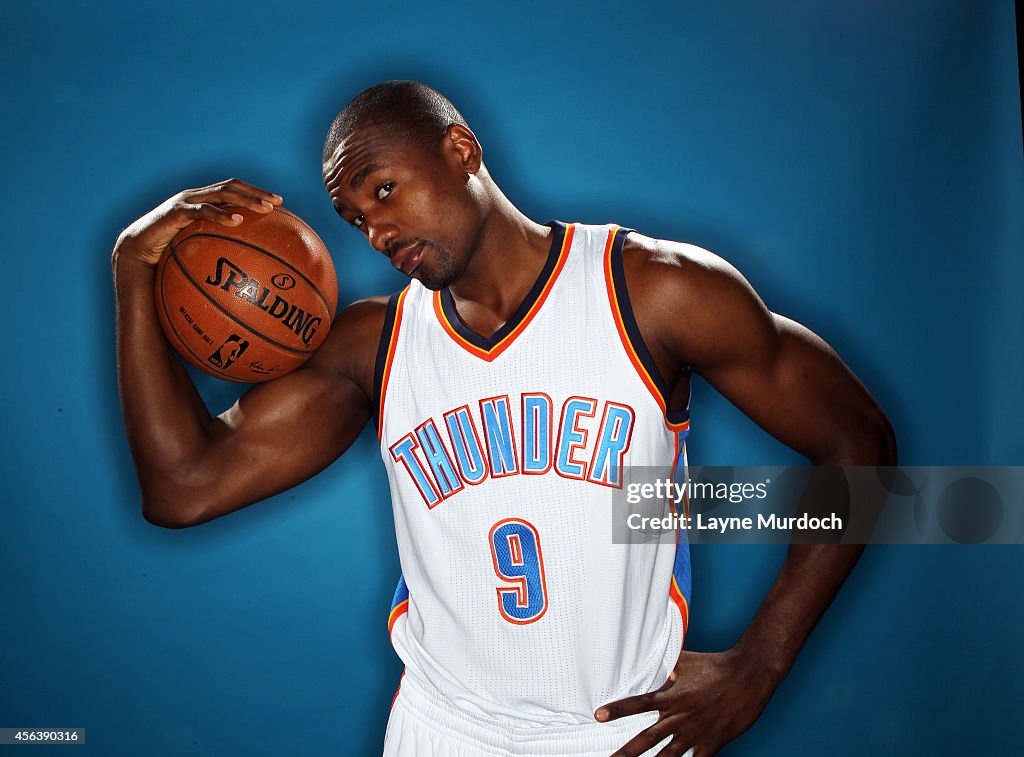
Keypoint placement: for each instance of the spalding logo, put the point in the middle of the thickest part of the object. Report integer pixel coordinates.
(282, 281)
(229, 276)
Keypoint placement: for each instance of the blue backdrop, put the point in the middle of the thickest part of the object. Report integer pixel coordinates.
(861, 163)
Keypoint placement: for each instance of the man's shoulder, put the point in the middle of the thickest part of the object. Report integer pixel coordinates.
(361, 323)
(662, 267)
(351, 346)
(687, 299)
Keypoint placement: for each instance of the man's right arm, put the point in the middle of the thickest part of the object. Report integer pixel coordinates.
(192, 466)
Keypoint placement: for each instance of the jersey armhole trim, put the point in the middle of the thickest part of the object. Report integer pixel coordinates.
(399, 604)
(386, 354)
(629, 332)
(681, 565)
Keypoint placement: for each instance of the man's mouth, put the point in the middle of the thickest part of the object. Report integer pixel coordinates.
(408, 258)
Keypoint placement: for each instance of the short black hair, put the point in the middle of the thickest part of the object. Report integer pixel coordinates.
(407, 110)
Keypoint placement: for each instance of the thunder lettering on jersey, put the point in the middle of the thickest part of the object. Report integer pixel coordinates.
(478, 441)
(502, 455)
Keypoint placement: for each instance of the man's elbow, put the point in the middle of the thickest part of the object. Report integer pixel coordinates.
(168, 510)
(867, 441)
(875, 443)
(888, 451)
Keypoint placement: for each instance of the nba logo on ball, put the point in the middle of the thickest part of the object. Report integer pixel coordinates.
(228, 352)
(265, 288)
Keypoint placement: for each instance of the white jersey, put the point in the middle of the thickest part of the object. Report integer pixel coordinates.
(502, 454)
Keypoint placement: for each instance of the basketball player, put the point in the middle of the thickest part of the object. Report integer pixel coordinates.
(511, 382)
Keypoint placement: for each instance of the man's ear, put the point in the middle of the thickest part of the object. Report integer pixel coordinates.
(460, 144)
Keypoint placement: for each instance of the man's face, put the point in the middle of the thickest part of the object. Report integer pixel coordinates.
(412, 204)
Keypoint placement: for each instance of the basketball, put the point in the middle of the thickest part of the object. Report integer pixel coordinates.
(247, 303)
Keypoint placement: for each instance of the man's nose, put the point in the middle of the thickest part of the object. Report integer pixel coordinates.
(381, 233)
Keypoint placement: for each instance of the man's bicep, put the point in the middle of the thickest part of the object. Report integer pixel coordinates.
(779, 373)
(284, 431)
(287, 430)
(796, 387)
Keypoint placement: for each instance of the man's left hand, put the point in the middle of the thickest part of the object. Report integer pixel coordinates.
(707, 701)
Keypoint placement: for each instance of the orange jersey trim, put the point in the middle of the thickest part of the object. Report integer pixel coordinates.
(620, 326)
(392, 343)
(490, 354)
(674, 592)
(396, 612)
(680, 601)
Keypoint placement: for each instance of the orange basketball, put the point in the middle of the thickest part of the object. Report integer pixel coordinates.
(250, 302)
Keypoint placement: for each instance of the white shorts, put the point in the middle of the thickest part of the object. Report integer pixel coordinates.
(424, 724)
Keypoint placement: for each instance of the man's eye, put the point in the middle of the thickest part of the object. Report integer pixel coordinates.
(385, 190)
(358, 222)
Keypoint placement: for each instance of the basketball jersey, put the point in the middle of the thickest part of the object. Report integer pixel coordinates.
(502, 455)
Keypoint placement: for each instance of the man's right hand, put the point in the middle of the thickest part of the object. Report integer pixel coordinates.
(146, 239)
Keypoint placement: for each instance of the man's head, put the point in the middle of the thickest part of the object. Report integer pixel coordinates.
(402, 166)
(406, 111)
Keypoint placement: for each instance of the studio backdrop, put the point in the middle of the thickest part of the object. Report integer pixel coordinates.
(860, 163)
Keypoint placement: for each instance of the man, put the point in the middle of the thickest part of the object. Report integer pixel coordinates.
(522, 369)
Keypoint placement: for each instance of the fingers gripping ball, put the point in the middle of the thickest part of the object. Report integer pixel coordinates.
(247, 303)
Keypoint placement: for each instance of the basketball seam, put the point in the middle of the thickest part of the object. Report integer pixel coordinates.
(296, 218)
(268, 254)
(228, 313)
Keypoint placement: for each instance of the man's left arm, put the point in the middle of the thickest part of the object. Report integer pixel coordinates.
(696, 312)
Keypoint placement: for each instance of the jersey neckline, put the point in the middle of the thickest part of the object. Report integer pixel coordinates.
(488, 348)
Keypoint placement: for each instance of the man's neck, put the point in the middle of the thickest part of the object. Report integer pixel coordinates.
(509, 256)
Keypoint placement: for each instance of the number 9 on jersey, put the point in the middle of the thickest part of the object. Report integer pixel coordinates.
(515, 551)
